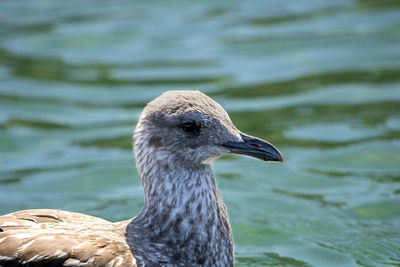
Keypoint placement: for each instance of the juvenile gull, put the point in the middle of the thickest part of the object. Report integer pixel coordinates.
(184, 220)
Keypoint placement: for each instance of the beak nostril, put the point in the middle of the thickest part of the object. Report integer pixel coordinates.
(255, 144)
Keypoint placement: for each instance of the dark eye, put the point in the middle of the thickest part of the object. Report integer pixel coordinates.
(190, 127)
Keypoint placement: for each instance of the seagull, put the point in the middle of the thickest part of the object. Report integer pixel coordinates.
(184, 221)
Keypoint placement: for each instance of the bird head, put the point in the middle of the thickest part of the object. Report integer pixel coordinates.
(191, 129)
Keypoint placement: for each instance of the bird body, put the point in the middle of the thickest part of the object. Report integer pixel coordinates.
(184, 221)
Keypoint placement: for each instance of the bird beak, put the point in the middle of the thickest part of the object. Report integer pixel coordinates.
(254, 147)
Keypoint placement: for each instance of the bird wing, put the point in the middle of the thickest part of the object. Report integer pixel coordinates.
(62, 238)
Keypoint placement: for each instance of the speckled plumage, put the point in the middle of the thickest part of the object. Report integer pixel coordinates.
(184, 221)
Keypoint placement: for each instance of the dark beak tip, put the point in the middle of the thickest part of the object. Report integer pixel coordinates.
(280, 158)
(277, 158)
(273, 153)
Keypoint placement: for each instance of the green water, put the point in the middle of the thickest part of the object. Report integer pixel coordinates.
(318, 78)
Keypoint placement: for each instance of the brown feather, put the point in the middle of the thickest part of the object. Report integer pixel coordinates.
(40, 237)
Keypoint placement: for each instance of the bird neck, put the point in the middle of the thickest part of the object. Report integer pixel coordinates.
(184, 219)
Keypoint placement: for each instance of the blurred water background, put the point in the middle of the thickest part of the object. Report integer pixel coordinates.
(318, 78)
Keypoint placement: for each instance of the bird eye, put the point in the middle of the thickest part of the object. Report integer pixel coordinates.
(190, 127)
